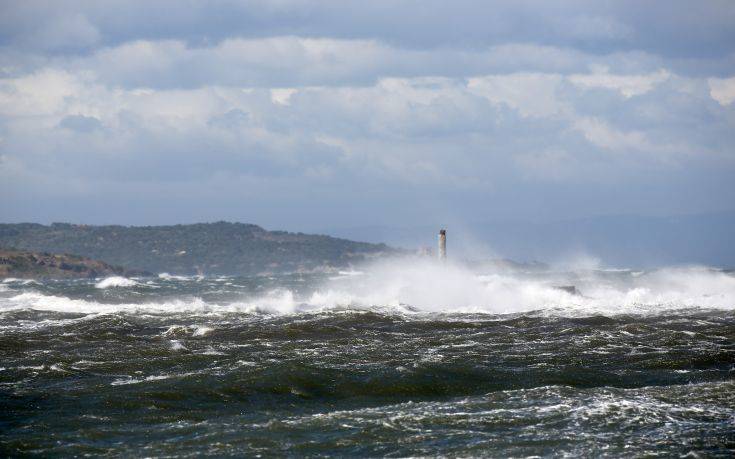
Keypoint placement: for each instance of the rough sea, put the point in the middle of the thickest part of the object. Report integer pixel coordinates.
(399, 359)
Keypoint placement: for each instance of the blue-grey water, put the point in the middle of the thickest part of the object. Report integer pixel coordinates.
(398, 361)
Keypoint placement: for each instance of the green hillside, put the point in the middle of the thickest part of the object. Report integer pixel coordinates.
(210, 248)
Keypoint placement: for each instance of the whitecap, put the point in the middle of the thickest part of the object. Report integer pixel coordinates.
(167, 276)
(41, 302)
(429, 287)
(129, 380)
(177, 346)
(116, 281)
(15, 280)
(201, 330)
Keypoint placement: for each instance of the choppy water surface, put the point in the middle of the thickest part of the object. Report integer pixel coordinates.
(397, 361)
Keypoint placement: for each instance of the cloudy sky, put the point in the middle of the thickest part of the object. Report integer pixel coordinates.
(314, 114)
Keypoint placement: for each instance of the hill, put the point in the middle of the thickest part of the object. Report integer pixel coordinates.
(211, 248)
(34, 265)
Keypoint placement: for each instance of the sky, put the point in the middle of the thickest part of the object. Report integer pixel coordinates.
(302, 115)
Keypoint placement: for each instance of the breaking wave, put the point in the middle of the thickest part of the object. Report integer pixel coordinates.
(428, 287)
(116, 281)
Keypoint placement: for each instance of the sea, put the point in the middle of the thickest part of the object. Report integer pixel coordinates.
(400, 358)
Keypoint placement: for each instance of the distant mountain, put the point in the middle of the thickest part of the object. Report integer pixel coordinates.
(619, 240)
(210, 248)
(35, 265)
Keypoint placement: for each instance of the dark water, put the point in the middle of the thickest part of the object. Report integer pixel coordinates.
(188, 367)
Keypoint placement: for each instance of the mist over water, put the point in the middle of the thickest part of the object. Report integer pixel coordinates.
(402, 357)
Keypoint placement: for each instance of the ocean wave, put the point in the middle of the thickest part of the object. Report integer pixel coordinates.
(14, 280)
(116, 281)
(447, 288)
(43, 302)
(442, 288)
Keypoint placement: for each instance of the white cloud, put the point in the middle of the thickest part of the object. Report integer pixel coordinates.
(602, 134)
(292, 61)
(608, 137)
(722, 90)
(273, 61)
(282, 96)
(627, 85)
(434, 132)
(532, 94)
(44, 92)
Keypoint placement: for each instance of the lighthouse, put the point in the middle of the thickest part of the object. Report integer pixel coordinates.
(442, 244)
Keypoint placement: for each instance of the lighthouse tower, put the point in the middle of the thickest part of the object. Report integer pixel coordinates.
(442, 244)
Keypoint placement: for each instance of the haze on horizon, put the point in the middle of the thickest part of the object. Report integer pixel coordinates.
(331, 115)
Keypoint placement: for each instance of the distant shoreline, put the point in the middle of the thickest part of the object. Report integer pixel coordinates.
(23, 264)
(204, 248)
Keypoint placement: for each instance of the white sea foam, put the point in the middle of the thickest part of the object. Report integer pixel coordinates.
(175, 329)
(347, 274)
(14, 280)
(57, 367)
(447, 288)
(426, 286)
(177, 346)
(195, 330)
(201, 330)
(167, 276)
(115, 281)
(130, 380)
(133, 380)
(41, 302)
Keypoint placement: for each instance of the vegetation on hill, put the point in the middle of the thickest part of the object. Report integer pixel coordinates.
(208, 248)
(34, 265)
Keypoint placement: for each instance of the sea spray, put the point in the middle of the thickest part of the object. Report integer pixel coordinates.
(453, 288)
(401, 286)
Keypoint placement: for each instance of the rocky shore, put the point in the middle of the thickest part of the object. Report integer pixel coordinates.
(43, 265)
